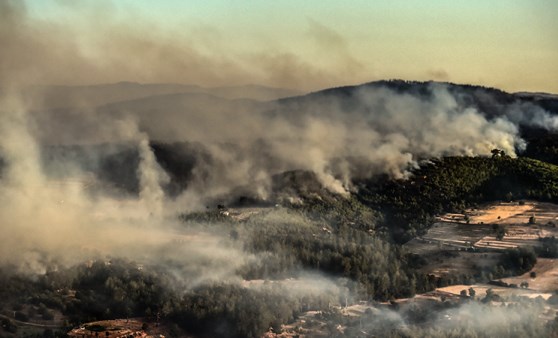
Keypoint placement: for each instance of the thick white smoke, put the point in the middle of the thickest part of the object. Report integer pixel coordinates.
(49, 222)
(376, 131)
(150, 175)
(532, 115)
(340, 137)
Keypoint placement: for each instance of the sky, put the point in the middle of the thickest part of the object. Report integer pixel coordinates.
(307, 45)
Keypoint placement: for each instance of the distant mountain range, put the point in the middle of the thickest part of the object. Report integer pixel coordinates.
(58, 97)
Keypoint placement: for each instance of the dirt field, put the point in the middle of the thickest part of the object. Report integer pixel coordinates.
(110, 328)
(475, 228)
(501, 212)
(546, 279)
(480, 291)
(118, 328)
(515, 217)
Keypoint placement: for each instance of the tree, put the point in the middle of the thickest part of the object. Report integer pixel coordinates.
(472, 293)
(500, 234)
(8, 325)
(500, 231)
(489, 296)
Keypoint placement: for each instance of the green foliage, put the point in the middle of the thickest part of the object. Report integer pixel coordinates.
(472, 293)
(102, 291)
(380, 268)
(224, 310)
(204, 217)
(542, 146)
(499, 231)
(518, 261)
(118, 289)
(549, 247)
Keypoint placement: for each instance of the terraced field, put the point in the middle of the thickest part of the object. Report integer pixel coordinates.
(462, 242)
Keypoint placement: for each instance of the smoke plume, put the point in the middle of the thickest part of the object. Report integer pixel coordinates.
(234, 144)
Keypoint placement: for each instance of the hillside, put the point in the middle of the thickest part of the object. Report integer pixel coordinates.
(378, 209)
(490, 101)
(453, 184)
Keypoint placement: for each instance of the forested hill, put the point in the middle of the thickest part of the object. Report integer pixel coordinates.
(490, 101)
(452, 184)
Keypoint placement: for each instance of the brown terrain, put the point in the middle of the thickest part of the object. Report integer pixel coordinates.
(460, 243)
(117, 328)
(456, 243)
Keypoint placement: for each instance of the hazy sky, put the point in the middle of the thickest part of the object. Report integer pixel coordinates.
(510, 44)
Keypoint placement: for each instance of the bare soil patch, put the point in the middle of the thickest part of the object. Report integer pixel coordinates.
(546, 276)
(110, 328)
(501, 212)
(480, 291)
(524, 224)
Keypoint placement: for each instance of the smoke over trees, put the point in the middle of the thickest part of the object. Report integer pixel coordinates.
(108, 192)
